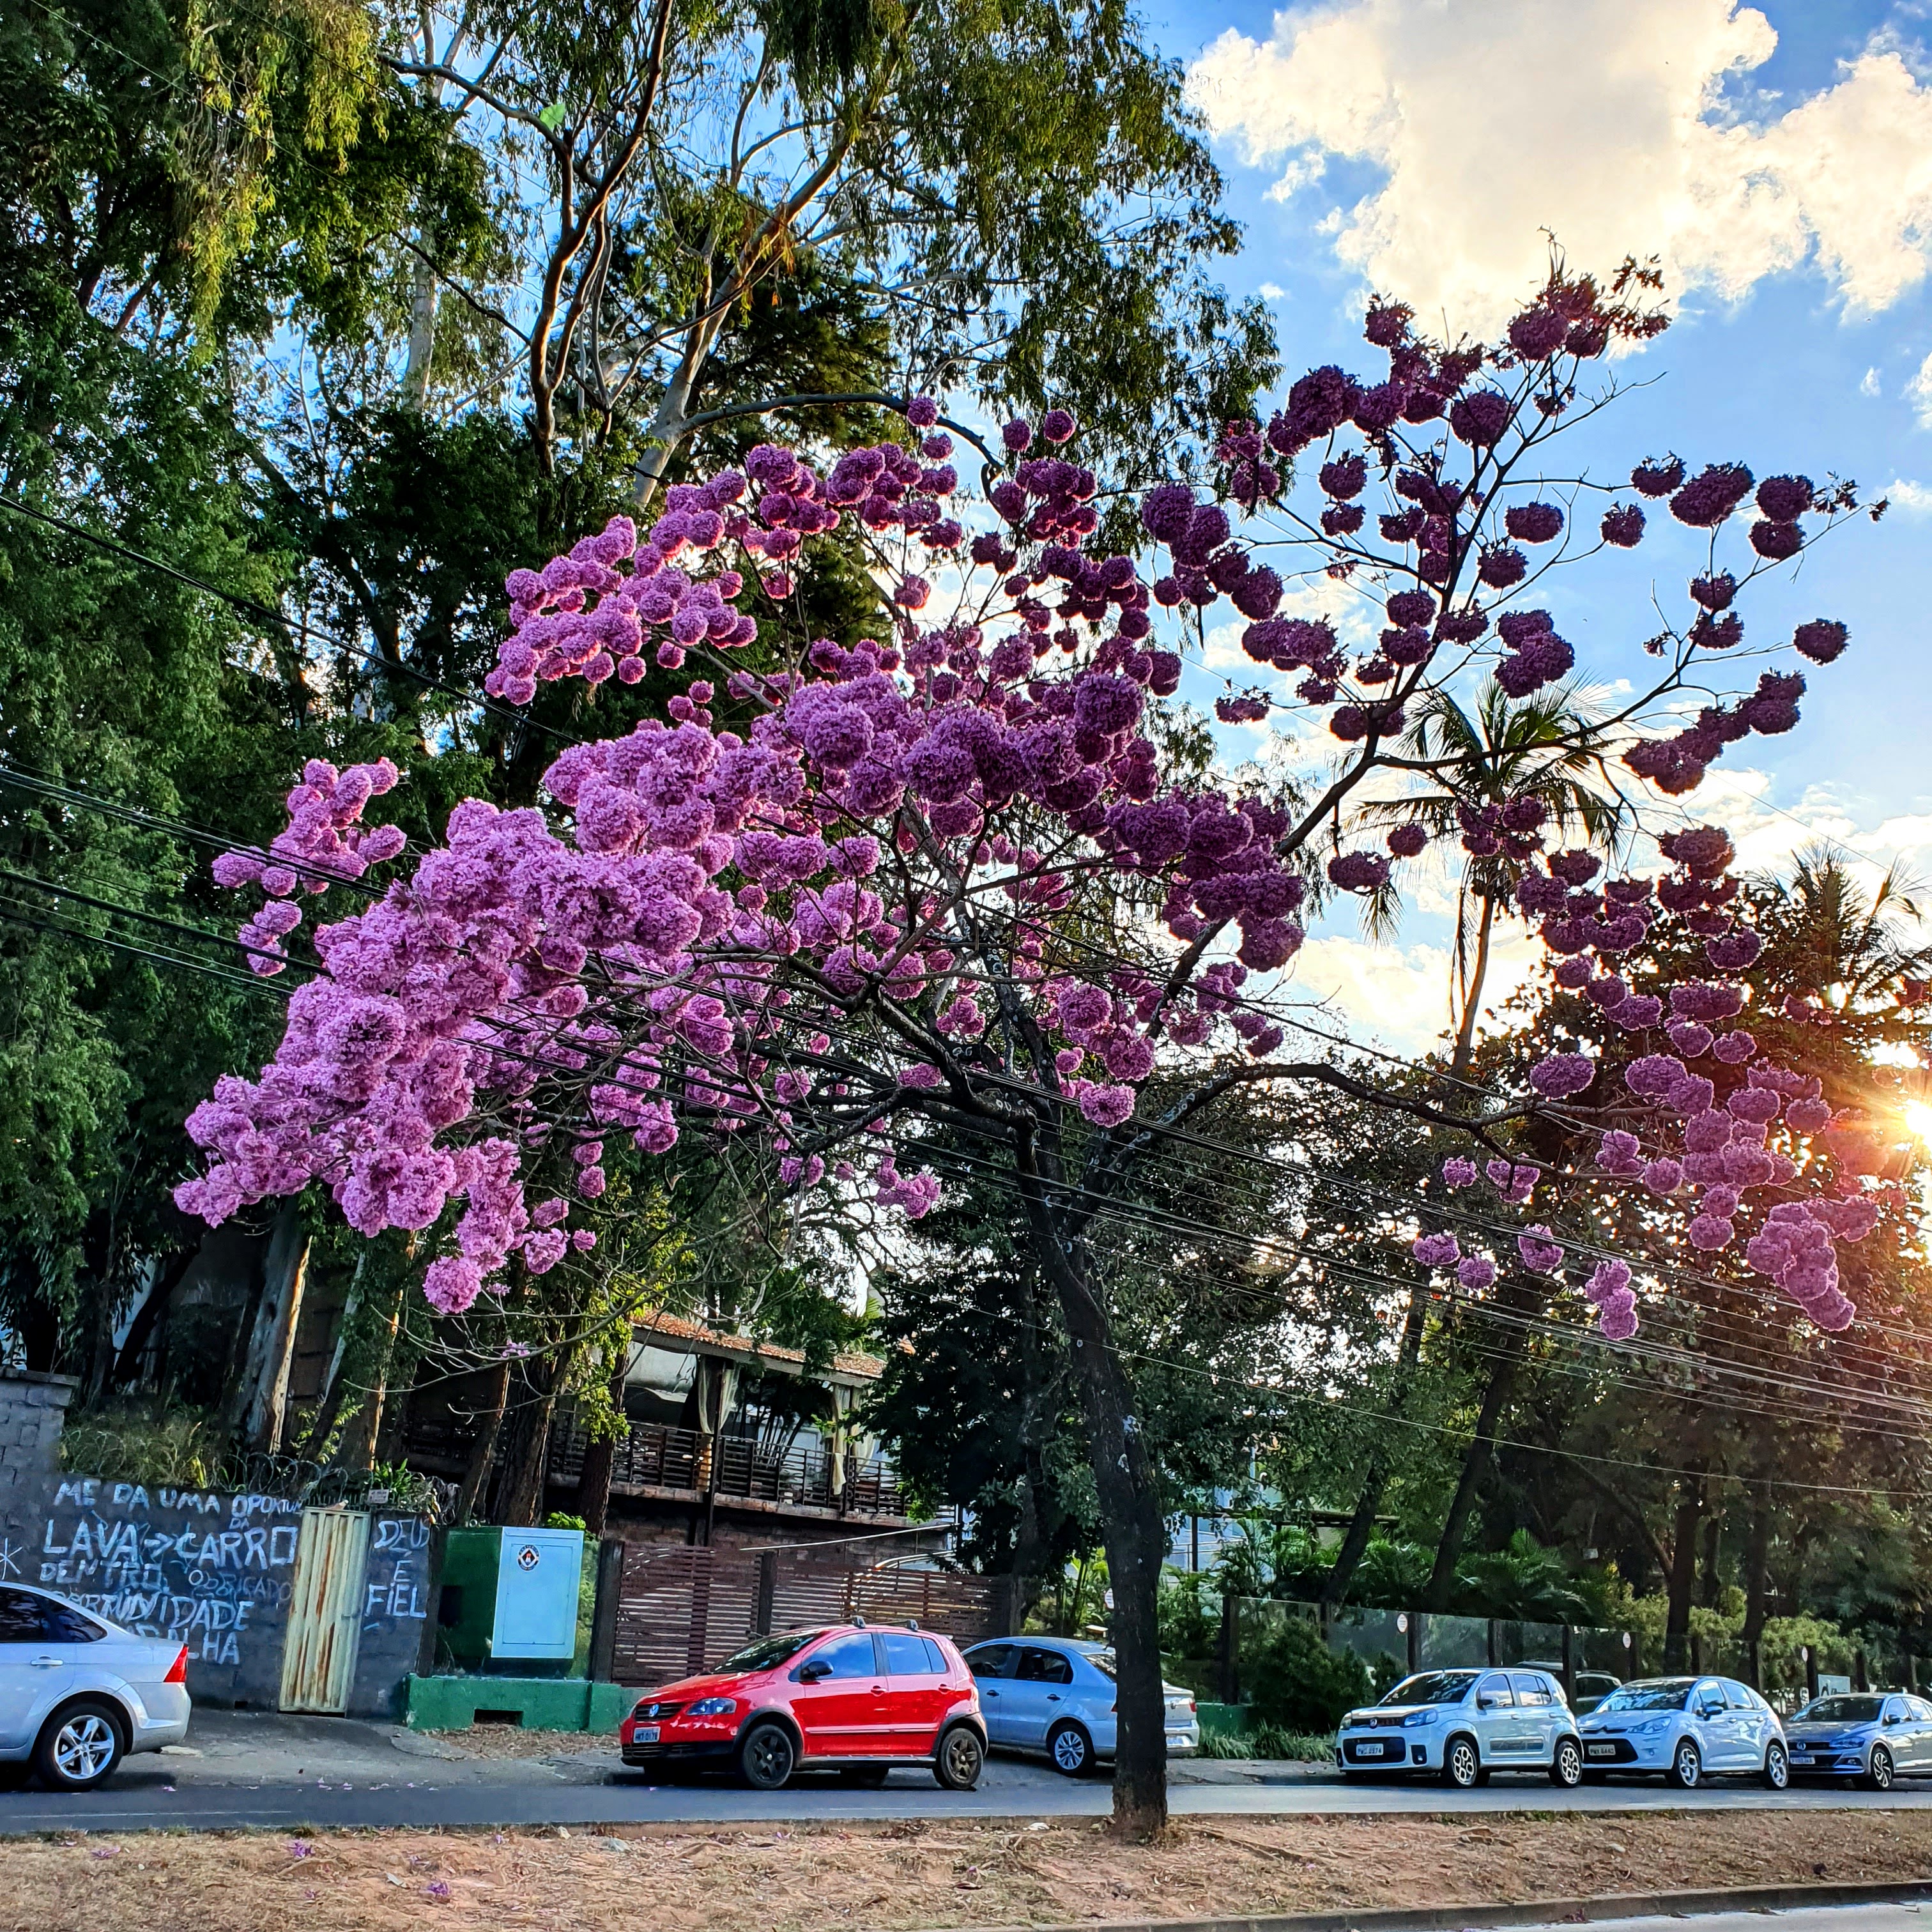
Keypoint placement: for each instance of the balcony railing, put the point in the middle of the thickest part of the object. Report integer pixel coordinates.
(653, 1457)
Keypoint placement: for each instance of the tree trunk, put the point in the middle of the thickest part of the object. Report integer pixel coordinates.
(1475, 1466)
(1472, 994)
(483, 1452)
(287, 1267)
(252, 1408)
(1711, 1589)
(357, 1450)
(527, 1466)
(1757, 1577)
(422, 329)
(1362, 1524)
(148, 1315)
(600, 1462)
(1134, 1529)
(1683, 1575)
(329, 1403)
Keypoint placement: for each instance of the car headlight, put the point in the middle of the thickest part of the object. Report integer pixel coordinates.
(1647, 1726)
(1423, 1718)
(714, 1707)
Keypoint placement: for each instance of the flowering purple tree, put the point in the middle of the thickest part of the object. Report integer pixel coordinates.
(938, 880)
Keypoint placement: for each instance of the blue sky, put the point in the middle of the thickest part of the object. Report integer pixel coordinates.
(1779, 159)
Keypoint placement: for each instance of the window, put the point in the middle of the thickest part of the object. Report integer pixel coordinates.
(1844, 1710)
(1920, 1709)
(1432, 1687)
(1532, 1693)
(992, 1660)
(765, 1655)
(850, 1656)
(1708, 1698)
(1663, 1694)
(935, 1658)
(906, 1654)
(1895, 1710)
(1494, 1689)
(19, 1617)
(61, 1623)
(1737, 1696)
(1044, 1667)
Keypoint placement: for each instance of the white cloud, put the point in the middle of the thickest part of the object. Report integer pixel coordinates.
(1909, 499)
(1602, 120)
(1397, 996)
(1268, 292)
(1920, 390)
(1870, 386)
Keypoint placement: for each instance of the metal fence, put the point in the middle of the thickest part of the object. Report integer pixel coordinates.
(654, 1456)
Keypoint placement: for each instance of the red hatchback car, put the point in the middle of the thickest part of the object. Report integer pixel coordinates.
(851, 1700)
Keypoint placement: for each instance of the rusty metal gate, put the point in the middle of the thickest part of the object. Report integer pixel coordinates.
(324, 1611)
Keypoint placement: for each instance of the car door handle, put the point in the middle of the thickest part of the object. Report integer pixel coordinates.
(47, 1663)
(1053, 1697)
(992, 1693)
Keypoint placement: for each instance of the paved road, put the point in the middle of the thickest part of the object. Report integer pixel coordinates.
(287, 1773)
(1809, 1919)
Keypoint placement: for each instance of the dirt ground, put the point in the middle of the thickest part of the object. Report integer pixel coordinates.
(513, 1740)
(896, 1877)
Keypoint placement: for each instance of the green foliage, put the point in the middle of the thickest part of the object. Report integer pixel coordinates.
(1294, 1679)
(150, 1443)
(1271, 1741)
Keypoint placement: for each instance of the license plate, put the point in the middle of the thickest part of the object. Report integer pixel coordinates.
(647, 1734)
(1369, 1751)
(1603, 1751)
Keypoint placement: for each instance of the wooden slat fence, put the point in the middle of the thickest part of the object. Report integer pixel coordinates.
(682, 1610)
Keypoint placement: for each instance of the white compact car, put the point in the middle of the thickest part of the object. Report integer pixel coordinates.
(1055, 1695)
(77, 1693)
(1684, 1730)
(1461, 1725)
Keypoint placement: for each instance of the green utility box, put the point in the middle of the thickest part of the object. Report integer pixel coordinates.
(509, 1595)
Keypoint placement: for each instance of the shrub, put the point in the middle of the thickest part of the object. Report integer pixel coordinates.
(1296, 1682)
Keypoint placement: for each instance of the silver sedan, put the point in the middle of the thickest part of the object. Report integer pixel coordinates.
(77, 1693)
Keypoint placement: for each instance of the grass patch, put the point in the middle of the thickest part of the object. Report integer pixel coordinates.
(1270, 1741)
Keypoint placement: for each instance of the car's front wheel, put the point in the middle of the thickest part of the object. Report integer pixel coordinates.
(1777, 1772)
(1687, 1766)
(1566, 1764)
(1071, 1750)
(79, 1746)
(1461, 1767)
(1880, 1776)
(960, 1759)
(767, 1758)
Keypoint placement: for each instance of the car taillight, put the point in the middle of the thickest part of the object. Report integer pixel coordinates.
(178, 1670)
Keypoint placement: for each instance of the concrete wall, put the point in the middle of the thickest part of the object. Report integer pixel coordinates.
(209, 1569)
(33, 1409)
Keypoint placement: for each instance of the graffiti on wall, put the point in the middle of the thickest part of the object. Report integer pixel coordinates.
(211, 1570)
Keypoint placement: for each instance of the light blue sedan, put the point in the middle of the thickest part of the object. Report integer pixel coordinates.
(1055, 1695)
(1685, 1728)
(1877, 1737)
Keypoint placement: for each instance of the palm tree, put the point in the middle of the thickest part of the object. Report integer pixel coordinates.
(1851, 945)
(1548, 747)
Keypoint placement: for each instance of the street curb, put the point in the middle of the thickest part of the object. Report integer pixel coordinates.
(1608, 1906)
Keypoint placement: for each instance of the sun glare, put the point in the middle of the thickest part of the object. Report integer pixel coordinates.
(1919, 1118)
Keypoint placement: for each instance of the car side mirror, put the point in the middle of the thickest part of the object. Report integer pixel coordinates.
(1890, 1717)
(812, 1673)
(1485, 1699)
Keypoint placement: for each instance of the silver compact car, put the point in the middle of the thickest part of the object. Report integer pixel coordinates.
(1056, 1695)
(77, 1693)
(1877, 1737)
(1685, 1730)
(1461, 1725)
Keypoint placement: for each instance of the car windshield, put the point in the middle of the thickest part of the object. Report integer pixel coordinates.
(768, 1651)
(1843, 1711)
(1432, 1687)
(1666, 1697)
